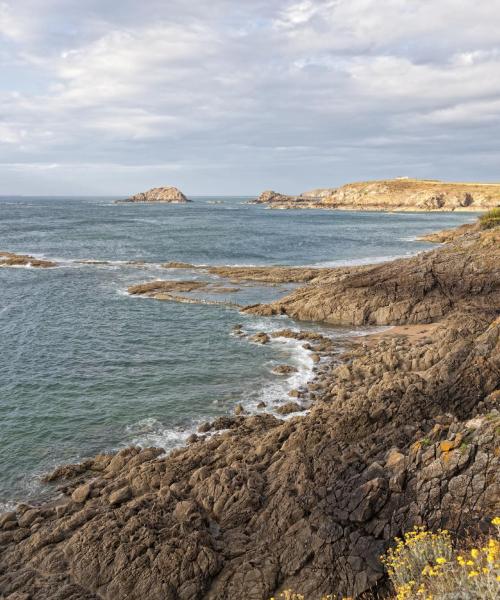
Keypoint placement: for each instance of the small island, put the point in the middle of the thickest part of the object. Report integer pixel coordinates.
(168, 195)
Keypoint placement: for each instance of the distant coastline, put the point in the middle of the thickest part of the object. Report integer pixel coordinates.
(401, 194)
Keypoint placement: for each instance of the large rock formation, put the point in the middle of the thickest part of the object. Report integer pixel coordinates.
(463, 274)
(402, 431)
(392, 194)
(162, 194)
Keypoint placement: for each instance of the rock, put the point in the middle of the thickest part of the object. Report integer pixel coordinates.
(260, 338)
(153, 288)
(204, 427)
(289, 407)
(9, 259)
(284, 369)
(239, 410)
(395, 460)
(169, 195)
(120, 496)
(81, 493)
(7, 518)
(28, 517)
(175, 264)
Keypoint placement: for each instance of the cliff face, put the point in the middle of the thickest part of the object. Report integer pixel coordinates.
(395, 194)
(402, 431)
(162, 194)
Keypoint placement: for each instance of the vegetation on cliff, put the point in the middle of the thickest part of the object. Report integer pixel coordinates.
(490, 219)
(428, 565)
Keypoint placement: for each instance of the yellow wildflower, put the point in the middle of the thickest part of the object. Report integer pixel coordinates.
(440, 560)
(496, 521)
(473, 573)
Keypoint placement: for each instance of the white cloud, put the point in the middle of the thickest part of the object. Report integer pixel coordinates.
(298, 84)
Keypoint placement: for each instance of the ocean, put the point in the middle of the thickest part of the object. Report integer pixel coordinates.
(86, 368)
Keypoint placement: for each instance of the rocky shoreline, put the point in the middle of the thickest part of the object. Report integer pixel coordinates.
(402, 429)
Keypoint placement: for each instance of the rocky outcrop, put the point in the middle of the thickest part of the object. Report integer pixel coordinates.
(266, 274)
(421, 289)
(169, 195)
(153, 288)
(401, 431)
(165, 290)
(9, 259)
(394, 195)
(277, 200)
(448, 235)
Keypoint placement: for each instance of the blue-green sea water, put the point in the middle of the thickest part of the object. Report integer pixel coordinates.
(86, 368)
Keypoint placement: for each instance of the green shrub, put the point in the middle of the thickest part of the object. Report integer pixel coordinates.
(490, 219)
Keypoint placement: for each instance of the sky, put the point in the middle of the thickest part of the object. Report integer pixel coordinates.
(234, 97)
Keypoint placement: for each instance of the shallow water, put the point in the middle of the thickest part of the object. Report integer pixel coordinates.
(85, 368)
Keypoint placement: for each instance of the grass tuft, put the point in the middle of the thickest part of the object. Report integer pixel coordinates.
(490, 219)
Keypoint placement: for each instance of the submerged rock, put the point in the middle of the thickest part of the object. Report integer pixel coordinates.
(284, 369)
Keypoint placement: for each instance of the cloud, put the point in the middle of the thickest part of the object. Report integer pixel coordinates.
(247, 95)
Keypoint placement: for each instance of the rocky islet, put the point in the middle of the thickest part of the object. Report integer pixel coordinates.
(167, 195)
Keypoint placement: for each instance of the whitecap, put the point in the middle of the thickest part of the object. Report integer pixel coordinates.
(151, 432)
